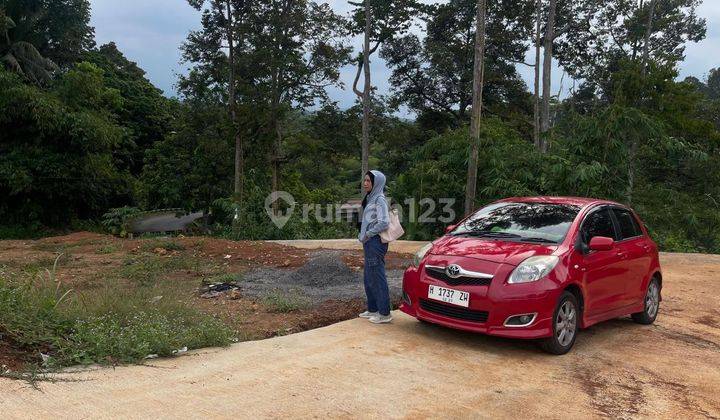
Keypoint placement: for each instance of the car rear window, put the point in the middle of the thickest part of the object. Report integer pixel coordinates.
(629, 227)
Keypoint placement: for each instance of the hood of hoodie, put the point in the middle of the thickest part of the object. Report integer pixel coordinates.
(378, 186)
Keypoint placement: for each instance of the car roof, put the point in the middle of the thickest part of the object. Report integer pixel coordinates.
(575, 201)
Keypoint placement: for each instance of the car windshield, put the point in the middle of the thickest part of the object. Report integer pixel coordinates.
(523, 222)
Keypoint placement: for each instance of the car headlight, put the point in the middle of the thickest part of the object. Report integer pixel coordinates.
(420, 254)
(533, 269)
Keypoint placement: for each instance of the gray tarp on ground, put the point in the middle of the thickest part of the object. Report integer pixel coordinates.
(166, 221)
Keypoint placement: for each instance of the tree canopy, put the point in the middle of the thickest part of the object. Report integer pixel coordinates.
(83, 130)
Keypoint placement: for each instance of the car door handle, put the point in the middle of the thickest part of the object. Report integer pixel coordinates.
(621, 254)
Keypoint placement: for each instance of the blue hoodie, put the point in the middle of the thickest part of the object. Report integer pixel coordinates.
(375, 216)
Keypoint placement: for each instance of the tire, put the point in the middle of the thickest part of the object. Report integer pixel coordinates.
(651, 304)
(565, 325)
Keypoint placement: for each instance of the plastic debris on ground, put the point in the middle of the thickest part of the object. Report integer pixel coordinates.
(216, 290)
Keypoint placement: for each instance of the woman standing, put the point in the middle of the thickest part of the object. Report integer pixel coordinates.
(375, 219)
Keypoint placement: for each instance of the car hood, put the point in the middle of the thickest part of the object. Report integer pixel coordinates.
(495, 250)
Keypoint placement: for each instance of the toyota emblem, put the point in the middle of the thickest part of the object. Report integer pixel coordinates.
(453, 270)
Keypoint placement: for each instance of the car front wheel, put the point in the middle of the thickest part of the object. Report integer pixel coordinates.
(652, 304)
(565, 326)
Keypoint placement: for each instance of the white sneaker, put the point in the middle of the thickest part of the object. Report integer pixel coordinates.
(381, 319)
(368, 315)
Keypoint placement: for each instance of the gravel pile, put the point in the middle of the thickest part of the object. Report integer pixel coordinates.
(325, 269)
(325, 276)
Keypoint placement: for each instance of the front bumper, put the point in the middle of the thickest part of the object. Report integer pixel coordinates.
(499, 300)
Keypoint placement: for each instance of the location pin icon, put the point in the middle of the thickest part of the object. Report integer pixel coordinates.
(279, 219)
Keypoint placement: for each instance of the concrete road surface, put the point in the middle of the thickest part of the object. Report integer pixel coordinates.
(407, 369)
(405, 247)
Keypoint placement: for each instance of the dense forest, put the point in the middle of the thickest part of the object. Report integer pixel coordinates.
(83, 132)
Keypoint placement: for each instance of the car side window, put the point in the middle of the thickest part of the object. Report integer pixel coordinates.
(629, 227)
(598, 223)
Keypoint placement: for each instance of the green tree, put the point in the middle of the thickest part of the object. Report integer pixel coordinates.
(378, 21)
(144, 112)
(655, 147)
(299, 49)
(619, 32)
(189, 168)
(438, 171)
(59, 30)
(21, 56)
(226, 24)
(56, 149)
(435, 74)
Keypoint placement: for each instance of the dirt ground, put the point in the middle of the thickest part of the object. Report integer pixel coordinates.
(408, 369)
(92, 260)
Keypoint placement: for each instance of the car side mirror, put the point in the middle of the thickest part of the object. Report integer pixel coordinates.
(601, 243)
(450, 228)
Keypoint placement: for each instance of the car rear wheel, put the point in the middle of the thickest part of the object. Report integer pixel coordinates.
(565, 325)
(652, 304)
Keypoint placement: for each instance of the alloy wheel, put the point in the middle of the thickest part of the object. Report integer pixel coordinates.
(652, 299)
(565, 323)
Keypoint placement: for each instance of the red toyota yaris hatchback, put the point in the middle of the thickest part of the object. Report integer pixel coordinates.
(537, 268)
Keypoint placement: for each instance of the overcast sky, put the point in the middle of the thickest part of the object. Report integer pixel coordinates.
(151, 32)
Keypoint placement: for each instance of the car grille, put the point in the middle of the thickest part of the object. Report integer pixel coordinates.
(453, 311)
(441, 275)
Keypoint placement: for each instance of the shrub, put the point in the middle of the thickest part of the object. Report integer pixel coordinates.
(280, 302)
(166, 244)
(109, 326)
(115, 219)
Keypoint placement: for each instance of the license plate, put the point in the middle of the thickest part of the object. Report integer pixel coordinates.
(443, 294)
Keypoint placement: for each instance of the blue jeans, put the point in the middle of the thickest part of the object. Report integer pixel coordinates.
(376, 286)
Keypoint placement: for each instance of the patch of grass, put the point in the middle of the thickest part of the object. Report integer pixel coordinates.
(153, 235)
(279, 302)
(224, 278)
(62, 247)
(166, 244)
(109, 248)
(48, 247)
(144, 269)
(105, 326)
(41, 264)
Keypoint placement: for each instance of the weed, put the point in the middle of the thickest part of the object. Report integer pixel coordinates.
(144, 270)
(33, 375)
(152, 235)
(110, 325)
(50, 247)
(277, 301)
(37, 266)
(63, 247)
(115, 219)
(224, 278)
(109, 248)
(166, 244)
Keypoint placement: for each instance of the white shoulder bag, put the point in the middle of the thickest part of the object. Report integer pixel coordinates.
(394, 229)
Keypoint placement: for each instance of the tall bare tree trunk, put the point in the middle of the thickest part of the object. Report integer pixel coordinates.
(648, 32)
(536, 110)
(547, 74)
(366, 97)
(475, 119)
(276, 152)
(277, 160)
(632, 154)
(232, 104)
